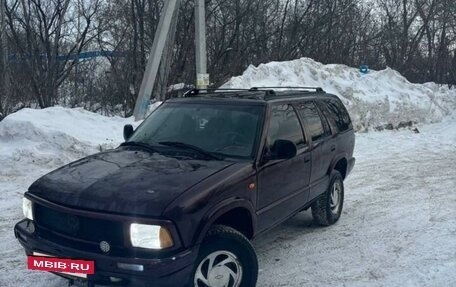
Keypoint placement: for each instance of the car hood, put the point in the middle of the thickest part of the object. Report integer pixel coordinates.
(125, 181)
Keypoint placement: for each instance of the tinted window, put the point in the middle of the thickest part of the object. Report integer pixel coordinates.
(231, 130)
(324, 120)
(284, 125)
(328, 116)
(339, 114)
(311, 116)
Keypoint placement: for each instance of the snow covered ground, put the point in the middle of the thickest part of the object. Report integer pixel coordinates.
(398, 226)
(373, 100)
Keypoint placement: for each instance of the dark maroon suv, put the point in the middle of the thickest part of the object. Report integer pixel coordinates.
(178, 202)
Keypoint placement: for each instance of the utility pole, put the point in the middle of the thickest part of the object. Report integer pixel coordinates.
(161, 35)
(164, 38)
(161, 87)
(202, 77)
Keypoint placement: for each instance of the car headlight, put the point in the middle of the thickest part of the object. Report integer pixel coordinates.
(27, 208)
(150, 236)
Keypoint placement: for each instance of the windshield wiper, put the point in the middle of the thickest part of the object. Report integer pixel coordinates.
(192, 148)
(140, 144)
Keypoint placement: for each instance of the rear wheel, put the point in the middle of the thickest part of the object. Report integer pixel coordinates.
(328, 208)
(226, 259)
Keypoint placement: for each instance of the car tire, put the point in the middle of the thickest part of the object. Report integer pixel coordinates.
(326, 211)
(232, 257)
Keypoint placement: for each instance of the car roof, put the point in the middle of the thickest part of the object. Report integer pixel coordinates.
(253, 96)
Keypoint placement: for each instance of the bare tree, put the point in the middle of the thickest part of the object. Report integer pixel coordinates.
(415, 37)
(47, 38)
(4, 71)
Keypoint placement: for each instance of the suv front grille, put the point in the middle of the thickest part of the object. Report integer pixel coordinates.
(79, 227)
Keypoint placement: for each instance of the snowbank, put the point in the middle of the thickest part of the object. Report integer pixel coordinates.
(374, 100)
(55, 136)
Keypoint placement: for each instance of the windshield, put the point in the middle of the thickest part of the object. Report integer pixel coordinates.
(228, 130)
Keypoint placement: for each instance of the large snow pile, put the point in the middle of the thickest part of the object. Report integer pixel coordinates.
(55, 136)
(375, 100)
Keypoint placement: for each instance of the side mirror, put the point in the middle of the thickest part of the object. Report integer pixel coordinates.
(128, 132)
(284, 149)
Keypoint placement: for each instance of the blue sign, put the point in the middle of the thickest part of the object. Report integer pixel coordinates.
(364, 69)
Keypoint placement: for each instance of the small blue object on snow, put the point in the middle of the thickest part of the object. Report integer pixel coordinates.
(364, 69)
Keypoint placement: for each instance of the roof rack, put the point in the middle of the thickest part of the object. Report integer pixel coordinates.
(268, 90)
(194, 92)
(317, 89)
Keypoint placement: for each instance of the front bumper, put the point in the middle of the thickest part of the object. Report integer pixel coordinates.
(172, 271)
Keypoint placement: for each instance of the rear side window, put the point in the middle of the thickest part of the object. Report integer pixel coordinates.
(311, 117)
(284, 125)
(339, 114)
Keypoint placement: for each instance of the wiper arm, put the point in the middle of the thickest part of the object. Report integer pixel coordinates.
(140, 144)
(192, 148)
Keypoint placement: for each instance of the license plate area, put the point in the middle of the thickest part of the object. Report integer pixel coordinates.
(45, 262)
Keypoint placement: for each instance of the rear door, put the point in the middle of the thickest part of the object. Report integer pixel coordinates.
(283, 184)
(322, 146)
(341, 124)
(343, 135)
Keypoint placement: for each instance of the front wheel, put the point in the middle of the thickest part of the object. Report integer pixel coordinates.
(226, 259)
(328, 208)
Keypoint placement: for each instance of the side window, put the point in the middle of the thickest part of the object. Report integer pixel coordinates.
(284, 125)
(311, 117)
(324, 121)
(329, 117)
(339, 114)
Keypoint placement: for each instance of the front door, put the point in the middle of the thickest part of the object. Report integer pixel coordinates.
(283, 184)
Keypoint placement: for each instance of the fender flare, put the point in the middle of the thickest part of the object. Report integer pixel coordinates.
(335, 160)
(218, 210)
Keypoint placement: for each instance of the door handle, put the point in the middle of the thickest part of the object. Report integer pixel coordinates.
(306, 159)
(333, 148)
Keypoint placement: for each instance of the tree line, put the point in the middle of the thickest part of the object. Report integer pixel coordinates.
(42, 39)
